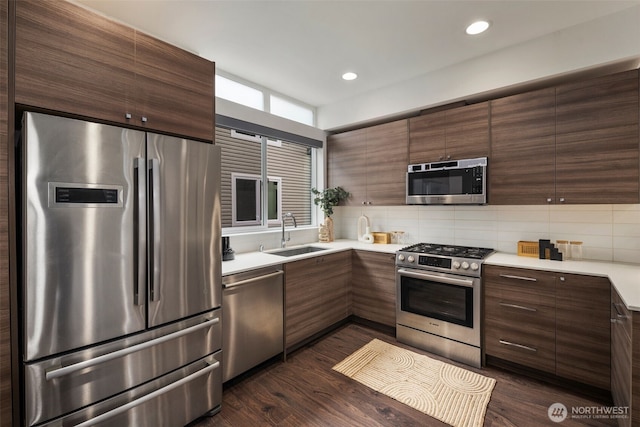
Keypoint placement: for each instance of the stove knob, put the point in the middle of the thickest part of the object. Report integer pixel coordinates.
(411, 258)
(400, 257)
(456, 264)
(465, 265)
(475, 266)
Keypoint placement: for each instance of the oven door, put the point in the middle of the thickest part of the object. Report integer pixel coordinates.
(442, 304)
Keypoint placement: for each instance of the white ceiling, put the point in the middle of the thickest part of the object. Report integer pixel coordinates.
(301, 48)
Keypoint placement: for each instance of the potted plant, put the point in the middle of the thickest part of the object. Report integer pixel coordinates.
(327, 199)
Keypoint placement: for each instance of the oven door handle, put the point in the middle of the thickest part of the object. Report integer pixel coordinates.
(442, 279)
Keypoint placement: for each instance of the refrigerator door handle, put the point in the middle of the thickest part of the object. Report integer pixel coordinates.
(120, 409)
(60, 372)
(154, 228)
(139, 233)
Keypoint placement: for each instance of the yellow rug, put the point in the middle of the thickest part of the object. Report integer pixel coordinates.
(452, 395)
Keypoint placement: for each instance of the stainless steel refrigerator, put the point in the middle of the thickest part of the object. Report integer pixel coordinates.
(121, 275)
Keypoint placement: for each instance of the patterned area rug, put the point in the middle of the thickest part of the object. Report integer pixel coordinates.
(452, 395)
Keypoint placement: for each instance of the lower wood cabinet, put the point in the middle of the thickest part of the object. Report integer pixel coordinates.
(621, 355)
(555, 323)
(317, 295)
(374, 286)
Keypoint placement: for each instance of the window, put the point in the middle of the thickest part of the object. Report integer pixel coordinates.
(239, 93)
(246, 161)
(289, 110)
(254, 96)
(246, 200)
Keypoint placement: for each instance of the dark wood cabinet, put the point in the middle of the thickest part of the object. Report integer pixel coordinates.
(583, 329)
(174, 89)
(577, 143)
(71, 60)
(458, 133)
(520, 316)
(553, 322)
(374, 287)
(370, 163)
(597, 140)
(522, 165)
(317, 295)
(621, 355)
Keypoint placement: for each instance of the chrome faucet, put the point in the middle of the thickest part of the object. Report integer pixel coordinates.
(283, 242)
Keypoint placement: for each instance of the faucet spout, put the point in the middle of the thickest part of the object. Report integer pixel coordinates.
(283, 241)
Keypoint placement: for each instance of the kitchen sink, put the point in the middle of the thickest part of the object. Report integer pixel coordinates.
(297, 251)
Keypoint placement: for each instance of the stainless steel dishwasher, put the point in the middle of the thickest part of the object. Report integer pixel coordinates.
(252, 319)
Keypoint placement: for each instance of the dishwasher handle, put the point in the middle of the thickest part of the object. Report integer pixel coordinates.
(252, 280)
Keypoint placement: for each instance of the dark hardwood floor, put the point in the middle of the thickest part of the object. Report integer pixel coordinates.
(305, 391)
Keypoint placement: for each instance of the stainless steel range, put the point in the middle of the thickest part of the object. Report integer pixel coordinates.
(438, 299)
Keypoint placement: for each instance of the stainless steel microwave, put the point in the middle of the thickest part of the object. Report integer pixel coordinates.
(455, 182)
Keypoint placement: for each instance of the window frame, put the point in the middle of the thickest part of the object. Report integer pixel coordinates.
(235, 223)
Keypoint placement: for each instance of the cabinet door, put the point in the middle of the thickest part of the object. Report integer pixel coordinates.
(519, 316)
(374, 287)
(347, 165)
(427, 137)
(467, 134)
(621, 361)
(387, 163)
(174, 89)
(72, 60)
(597, 140)
(523, 149)
(583, 329)
(317, 295)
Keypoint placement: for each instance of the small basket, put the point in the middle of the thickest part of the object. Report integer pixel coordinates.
(379, 237)
(530, 249)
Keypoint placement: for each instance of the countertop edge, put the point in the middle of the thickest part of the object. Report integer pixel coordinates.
(625, 278)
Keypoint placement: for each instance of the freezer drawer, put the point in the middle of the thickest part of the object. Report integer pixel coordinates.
(172, 400)
(60, 385)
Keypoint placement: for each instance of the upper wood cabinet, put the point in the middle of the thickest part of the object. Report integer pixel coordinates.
(574, 144)
(458, 133)
(74, 61)
(522, 165)
(370, 163)
(597, 146)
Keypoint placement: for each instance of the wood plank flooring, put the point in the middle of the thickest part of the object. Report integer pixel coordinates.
(305, 391)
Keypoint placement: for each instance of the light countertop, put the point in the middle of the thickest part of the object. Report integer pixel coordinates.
(624, 277)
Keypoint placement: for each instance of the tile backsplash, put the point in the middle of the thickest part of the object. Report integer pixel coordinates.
(608, 232)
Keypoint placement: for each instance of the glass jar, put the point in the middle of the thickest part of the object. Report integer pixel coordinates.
(576, 250)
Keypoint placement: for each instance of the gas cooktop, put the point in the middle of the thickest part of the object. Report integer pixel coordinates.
(448, 250)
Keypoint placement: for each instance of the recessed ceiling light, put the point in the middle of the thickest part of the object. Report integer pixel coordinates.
(477, 27)
(349, 76)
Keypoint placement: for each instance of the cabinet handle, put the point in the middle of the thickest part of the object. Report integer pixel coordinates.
(619, 313)
(549, 200)
(561, 199)
(519, 307)
(143, 119)
(448, 157)
(523, 347)
(511, 276)
(364, 202)
(127, 116)
(440, 158)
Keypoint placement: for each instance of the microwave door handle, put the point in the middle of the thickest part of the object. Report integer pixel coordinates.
(442, 279)
(139, 232)
(154, 229)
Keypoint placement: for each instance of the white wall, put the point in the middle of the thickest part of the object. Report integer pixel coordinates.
(608, 232)
(610, 39)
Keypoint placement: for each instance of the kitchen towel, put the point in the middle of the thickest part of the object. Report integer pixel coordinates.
(451, 394)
